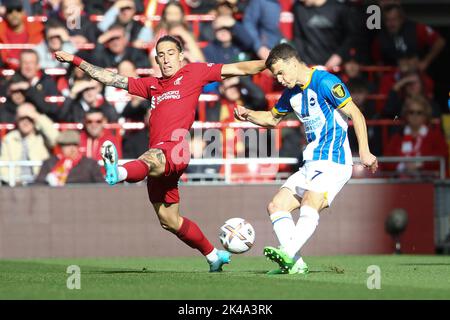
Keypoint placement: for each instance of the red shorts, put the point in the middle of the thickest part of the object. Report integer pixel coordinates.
(165, 188)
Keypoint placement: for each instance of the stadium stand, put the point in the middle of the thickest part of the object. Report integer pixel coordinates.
(31, 74)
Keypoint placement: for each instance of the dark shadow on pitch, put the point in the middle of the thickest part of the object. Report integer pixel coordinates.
(139, 272)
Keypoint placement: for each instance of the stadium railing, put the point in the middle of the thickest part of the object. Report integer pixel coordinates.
(118, 128)
(228, 177)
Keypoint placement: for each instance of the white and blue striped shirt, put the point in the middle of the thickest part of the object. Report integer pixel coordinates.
(317, 105)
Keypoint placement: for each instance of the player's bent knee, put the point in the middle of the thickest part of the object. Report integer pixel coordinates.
(274, 206)
(155, 160)
(315, 200)
(171, 225)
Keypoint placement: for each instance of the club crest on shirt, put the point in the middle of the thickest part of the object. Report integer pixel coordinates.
(177, 82)
(338, 91)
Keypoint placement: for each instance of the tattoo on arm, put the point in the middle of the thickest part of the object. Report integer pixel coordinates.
(104, 76)
(155, 159)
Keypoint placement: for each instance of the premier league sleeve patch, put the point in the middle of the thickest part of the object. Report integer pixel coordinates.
(338, 91)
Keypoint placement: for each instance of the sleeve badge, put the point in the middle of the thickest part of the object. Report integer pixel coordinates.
(338, 91)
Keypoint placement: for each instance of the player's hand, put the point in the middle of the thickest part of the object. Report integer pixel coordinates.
(368, 160)
(62, 56)
(241, 113)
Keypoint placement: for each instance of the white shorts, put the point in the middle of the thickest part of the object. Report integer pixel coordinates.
(319, 176)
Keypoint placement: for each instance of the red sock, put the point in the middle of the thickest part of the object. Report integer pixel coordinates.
(137, 170)
(191, 234)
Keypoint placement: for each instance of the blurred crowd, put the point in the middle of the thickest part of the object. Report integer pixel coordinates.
(37, 91)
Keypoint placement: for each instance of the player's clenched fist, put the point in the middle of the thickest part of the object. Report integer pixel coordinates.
(62, 56)
(369, 161)
(241, 113)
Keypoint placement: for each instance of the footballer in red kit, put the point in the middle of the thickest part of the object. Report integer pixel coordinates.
(174, 102)
(174, 98)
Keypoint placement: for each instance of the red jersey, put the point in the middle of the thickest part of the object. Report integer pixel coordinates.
(174, 100)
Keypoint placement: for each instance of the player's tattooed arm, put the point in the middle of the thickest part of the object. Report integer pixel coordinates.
(155, 160)
(104, 76)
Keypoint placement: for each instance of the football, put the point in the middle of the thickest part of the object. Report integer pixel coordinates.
(237, 235)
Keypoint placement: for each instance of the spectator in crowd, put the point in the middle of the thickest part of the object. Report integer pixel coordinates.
(192, 51)
(120, 98)
(236, 91)
(261, 20)
(324, 31)
(407, 63)
(197, 145)
(410, 85)
(15, 28)
(351, 70)
(172, 15)
(30, 69)
(69, 166)
(360, 91)
(134, 142)
(56, 39)
(94, 134)
(45, 8)
(33, 139)
(19, 91)
(84, 96)
(225, 18)
(173, 23)
(72, 15)
(222, 8)
(122, 12)
(113, 47)
(401, 36)
(418, 138)
(222, 49)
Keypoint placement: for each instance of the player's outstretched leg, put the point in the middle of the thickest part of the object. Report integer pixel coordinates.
(223, 257)
(191, 234)
(300, 267)
(110, 162)
(278, 255)
(132, 171)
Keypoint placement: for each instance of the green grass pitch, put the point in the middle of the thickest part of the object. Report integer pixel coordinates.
(337, 277)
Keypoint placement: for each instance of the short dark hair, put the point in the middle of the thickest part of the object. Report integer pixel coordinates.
(94, 110)
(116, 26)
(170, 39)
(392, 6)
(283, 51)
(25, 51)
(53, 24)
